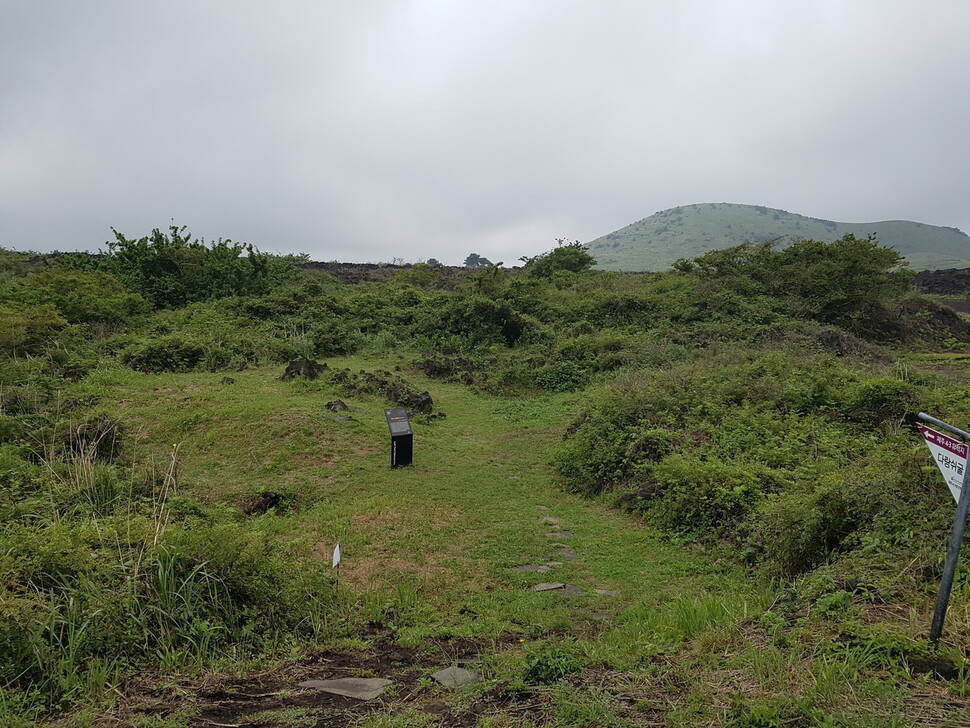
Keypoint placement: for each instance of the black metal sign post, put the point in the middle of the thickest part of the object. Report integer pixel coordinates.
(956, 536)
(402, 439)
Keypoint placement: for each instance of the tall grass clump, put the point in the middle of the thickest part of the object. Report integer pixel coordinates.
(104, 571)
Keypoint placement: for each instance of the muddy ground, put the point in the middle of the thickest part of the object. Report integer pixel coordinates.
(274, 698)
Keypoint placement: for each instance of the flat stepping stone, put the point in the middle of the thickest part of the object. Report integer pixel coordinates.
(542, 569)
(361, 688)
(543, 508)
(554, 563)
(607, 592)
(560, 534)
(547, 586)
(552, 520)
(456, 677)
(563, 590)
(564, 554)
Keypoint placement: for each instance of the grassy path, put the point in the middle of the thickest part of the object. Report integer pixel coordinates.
(450, 528)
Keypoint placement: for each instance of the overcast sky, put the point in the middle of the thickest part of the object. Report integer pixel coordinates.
(368, 130)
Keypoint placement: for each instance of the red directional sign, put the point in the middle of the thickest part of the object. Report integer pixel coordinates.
(950, 456)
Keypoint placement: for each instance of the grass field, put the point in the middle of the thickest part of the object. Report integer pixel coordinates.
(682, 637)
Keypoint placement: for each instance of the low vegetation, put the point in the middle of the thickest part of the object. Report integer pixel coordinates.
(725, 450)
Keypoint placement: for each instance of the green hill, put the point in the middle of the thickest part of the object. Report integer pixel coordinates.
(655, 242)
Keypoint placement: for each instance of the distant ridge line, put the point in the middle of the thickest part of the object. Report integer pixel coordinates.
(688, 231)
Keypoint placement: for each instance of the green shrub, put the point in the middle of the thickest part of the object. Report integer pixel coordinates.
(166, 354)
(563, 377)
(800, 531)
(551, 662)
(881, 398)
(835, 604)
(698, 496)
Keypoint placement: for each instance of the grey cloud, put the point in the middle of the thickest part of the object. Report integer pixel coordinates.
(366, 131)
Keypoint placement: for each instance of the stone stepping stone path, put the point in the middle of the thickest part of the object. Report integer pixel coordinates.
(607, 592)
(456, 677)
(361, 688)
(565, 553)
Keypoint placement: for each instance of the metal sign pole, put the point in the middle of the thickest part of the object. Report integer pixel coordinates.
(956, 537)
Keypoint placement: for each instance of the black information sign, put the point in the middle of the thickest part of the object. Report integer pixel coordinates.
(402, 439)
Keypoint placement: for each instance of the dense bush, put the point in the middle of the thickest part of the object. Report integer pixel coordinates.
(566, 257)
(80, 296)
(793, 453)
(171, 269)
(846, 283)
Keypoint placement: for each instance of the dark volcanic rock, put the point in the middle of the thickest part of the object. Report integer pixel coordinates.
(306, 368)
(261, 503)
(419, 403)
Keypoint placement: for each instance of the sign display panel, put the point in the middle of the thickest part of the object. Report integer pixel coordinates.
(950, 456)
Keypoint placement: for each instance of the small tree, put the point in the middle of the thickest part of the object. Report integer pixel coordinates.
(434, 262)
(172, 269)
(474, 260)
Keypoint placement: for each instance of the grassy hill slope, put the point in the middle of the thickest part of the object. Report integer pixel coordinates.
(655, 242)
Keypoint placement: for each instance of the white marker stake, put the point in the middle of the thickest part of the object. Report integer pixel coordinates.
(336, 563)
(950, 456)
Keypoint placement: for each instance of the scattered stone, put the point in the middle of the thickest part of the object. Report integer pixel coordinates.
(547, 586)
(543, 508)
(456, 677)
(338, 405)
(361, 688)
(607, 592)
(564, 554)
(560, 534)
(436, 708)
(532, 567)
(551, 520)
(942, 669)
(554, 563)
(227, 380)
